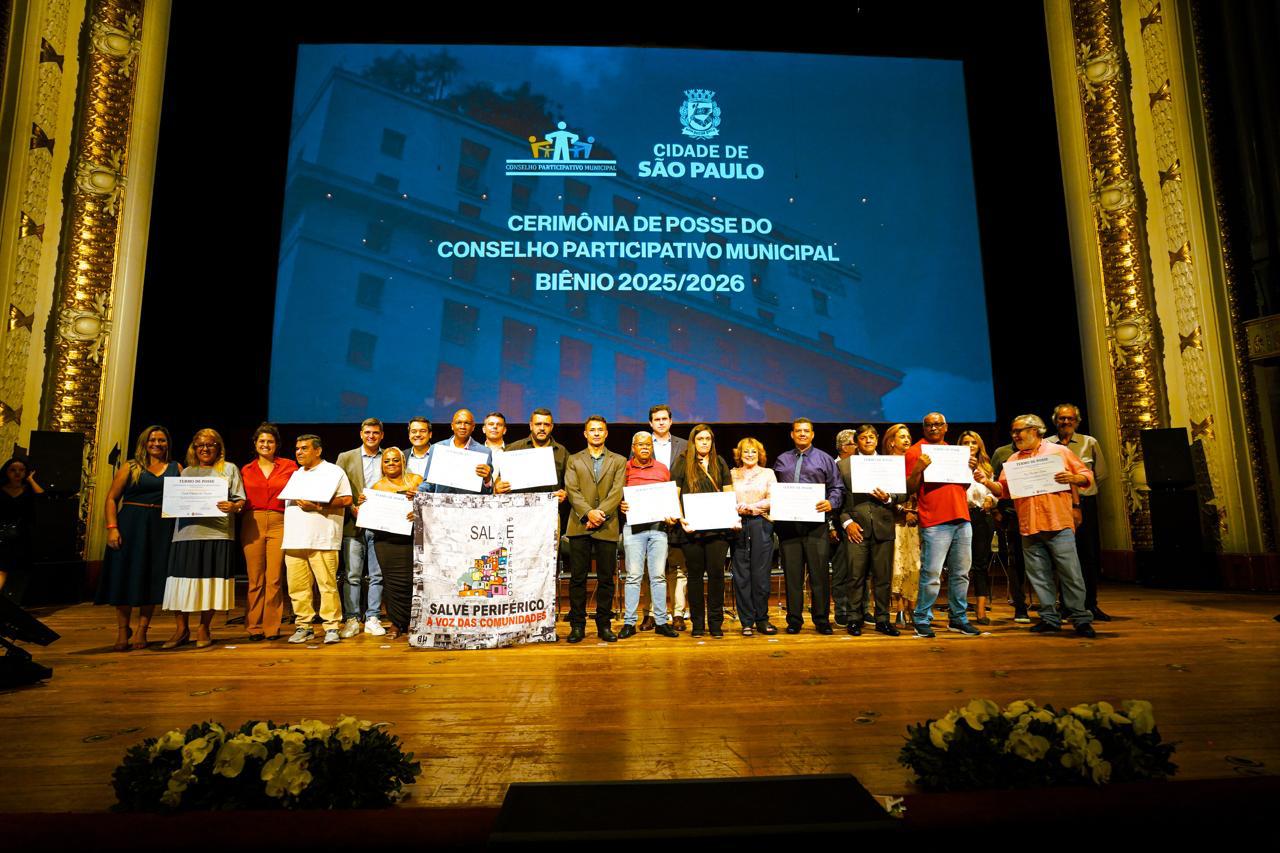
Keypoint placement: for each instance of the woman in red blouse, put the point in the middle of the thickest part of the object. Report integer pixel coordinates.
(261, 533)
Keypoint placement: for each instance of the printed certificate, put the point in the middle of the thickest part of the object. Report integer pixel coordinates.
(193, 497)
(651, 502)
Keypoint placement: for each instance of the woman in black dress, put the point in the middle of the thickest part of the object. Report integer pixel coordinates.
(135, 567)
(17, 521)
(700, 471)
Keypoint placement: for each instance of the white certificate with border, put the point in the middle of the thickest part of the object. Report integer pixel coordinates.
(949, 464)
(711, 511)
(651, 502)
(527, 469)
(456, 467)
(315, 486)
(1034, 476)
(796, 501)
(193, 497)
(868, 473)
(386, 511)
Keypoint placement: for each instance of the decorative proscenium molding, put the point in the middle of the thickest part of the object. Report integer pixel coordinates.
(1240, 330)
(80, 337)
(1132, 329)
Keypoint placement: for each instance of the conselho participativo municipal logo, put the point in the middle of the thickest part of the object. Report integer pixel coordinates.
(562, 152)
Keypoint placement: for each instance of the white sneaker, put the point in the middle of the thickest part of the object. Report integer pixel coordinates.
(302, 635)
(350, 629)
(373, 626)
(331, 636)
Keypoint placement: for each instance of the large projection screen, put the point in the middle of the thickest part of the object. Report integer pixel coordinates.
(748, 237)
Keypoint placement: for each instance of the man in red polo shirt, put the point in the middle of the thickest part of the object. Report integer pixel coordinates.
(946, 538)
(1048, 527)
(643, 543)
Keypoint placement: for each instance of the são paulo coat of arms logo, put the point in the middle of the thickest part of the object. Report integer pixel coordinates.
(700, 114)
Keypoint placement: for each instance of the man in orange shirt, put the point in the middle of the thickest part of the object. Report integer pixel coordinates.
(1048, 527)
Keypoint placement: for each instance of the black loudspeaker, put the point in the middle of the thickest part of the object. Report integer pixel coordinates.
(1166, 454)
(714, 813)
(16, 666)
(58, 458)
(57, 526)
(1180, 558)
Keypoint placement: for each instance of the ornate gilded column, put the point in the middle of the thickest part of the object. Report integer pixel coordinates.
(93, 328)
(1120, 332)
(38, 117)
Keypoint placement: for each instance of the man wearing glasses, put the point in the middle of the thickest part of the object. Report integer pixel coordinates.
(1047, 524)
(1066, 418)
(946, 537)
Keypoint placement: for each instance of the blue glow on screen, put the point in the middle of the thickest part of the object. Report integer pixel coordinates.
(863, 300)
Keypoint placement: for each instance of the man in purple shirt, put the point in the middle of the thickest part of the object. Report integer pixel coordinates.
(805, 543)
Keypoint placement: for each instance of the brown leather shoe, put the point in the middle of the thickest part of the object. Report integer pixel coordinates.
(678, 623)
(648, 623)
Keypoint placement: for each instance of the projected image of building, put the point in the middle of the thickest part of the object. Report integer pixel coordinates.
(371, 320)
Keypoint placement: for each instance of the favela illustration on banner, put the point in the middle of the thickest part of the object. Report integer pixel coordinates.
(484, 570)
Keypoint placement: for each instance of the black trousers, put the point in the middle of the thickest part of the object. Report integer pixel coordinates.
(752, 564)
(582, 550)
(805, 545)
(874, 558)
(704, 558)
(980, 568)
(1089, 549)
(840, 581)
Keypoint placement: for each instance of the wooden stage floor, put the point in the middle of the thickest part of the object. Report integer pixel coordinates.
(649, 707)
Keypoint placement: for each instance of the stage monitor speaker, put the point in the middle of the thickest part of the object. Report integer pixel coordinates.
(16, 666)
(58, 458)
(713, 813)
(1166, 455)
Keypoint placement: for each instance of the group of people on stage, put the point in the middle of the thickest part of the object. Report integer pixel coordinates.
(889, 556)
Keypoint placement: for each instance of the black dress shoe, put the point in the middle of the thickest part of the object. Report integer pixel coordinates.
(605, 633)
(855, 630)
(577, 634)
(1045, 628)
(1084, 629)
(257, 638)
(696, 632)
(666, 631)
(627, 631)
(1099, 615)
(793, 629)
(766, 628)
(718, 633)
(887, 629)
(826, 630)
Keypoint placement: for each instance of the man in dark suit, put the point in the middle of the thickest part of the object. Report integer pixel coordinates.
(667, 448)
(363, 467)
(593, 481)
(866, 519)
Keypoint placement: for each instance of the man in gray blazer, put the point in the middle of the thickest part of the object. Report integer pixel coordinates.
(593, 479)
(867, 525)
(667, 448)
(363, 467)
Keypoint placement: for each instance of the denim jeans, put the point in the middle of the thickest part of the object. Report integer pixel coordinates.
(1053, 551)
(949, 544)
(359, 553)
(647, 546)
